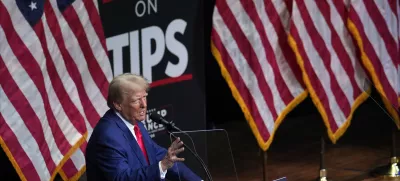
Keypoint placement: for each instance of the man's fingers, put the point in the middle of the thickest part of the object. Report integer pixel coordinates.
(180, 143)
(179, 150)
(176, 159)
(176, 145)
(177, 140)
(173, 150)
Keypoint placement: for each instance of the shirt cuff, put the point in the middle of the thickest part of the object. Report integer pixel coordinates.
(162, 173)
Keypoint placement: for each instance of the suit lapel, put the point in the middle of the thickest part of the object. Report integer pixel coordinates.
(129, 137)
(135, 146)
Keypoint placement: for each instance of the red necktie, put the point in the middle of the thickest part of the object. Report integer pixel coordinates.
(140, 141)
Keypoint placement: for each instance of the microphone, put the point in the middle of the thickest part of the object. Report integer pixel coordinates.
(160, 120)
(171, 126)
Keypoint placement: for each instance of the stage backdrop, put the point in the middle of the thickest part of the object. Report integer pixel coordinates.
(161, 40)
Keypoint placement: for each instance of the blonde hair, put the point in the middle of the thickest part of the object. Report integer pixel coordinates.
(115, 90)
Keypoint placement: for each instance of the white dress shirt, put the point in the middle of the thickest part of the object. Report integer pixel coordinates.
(130, 127)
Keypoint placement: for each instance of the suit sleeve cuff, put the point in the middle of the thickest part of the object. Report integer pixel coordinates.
(162, 173)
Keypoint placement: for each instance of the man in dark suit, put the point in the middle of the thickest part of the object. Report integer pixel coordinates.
(120, 147)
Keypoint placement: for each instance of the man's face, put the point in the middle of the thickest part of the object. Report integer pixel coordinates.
(134, 105)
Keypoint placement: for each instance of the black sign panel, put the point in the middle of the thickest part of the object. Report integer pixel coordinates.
(161, 40)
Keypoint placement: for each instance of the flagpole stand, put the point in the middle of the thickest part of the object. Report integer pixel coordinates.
(388, 171)
(322, 171)
(392, 169)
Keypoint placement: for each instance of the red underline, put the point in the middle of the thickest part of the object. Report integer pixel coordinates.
(171, 80)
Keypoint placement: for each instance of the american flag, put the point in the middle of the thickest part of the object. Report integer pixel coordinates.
(54, 74)
(249, 42)
(375, 26)
(327, 55)
(273, 52)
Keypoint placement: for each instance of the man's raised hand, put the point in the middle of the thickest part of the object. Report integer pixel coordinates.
(171, 157)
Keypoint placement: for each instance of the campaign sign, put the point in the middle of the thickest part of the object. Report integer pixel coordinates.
(162, 41)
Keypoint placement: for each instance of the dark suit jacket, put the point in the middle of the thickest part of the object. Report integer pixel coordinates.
(113, 154)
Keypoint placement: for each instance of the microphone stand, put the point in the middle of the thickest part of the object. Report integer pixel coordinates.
(191, 151)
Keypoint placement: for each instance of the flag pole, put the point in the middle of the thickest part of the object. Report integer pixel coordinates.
(264, 162)
(392, 169)
(322, 169)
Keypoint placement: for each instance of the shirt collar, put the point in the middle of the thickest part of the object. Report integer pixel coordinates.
(130, 125)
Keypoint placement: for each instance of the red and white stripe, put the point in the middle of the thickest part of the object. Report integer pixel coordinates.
(53, 86)
(91, 25)
(334, 76)
(375, 24)
(251, 40)
(398, 48)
